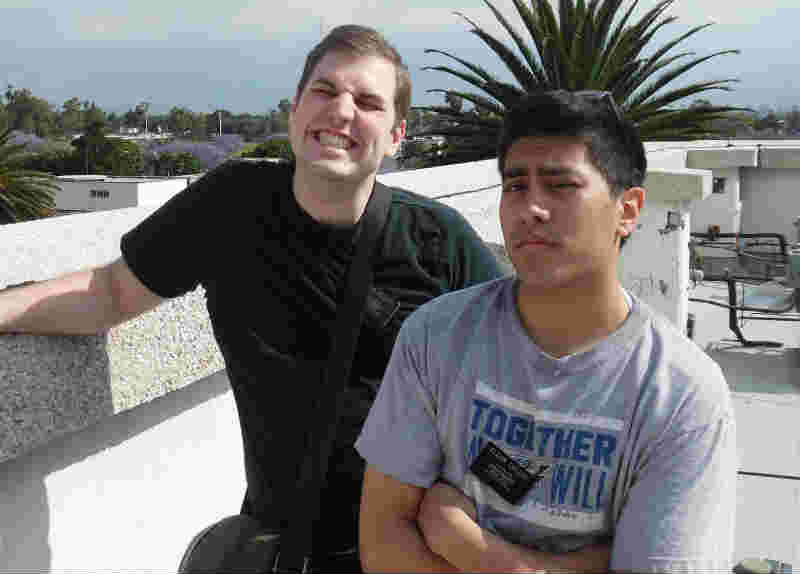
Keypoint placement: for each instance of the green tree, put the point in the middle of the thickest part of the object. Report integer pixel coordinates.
(176, 163)
(121, 158)
(28, 113)
(130, 119)
(113, 122)
(199, 127)
(24, 194)
(275, 148)
(586, 45)
(179, 120)
(93, 141)
(72, 120)
(454, 101)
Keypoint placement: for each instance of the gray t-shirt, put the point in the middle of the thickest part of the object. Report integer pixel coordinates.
(632, 439)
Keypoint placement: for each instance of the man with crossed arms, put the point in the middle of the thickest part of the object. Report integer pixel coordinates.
(551, 421)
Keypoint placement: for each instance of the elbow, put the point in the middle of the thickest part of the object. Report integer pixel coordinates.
(430, 524)
(367, 556)
(371, 557)
(388, 547)
(368, 564)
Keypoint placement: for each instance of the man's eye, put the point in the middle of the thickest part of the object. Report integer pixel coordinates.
(563, 185)
(323, 91)
(370, 105)
(515, 186)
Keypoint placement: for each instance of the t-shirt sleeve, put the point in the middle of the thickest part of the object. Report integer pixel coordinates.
(400, 435)
(171, 250)
(680, 510)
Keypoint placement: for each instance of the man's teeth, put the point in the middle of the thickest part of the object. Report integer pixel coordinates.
(332, 140)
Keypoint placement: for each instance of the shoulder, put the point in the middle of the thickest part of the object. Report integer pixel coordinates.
(681, 373)
(249, 171)
(456, 312)
(408, 204)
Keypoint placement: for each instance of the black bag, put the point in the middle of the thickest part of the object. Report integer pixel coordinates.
(237, 544)
(240, 543)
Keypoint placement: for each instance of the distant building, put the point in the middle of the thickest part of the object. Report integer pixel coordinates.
(755, 183)
(82, 193)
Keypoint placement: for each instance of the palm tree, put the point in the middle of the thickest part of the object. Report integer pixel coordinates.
(24, 194)
(581, 49)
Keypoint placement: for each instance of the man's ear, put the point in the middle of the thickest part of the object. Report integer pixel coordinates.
(398, 135)
(631, 204)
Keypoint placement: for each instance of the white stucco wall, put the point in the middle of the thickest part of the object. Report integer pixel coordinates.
(158, 191)
(654, 263)
(723, 209)
(770, 201)
(663, 155)
(446, 180)
(76, 194)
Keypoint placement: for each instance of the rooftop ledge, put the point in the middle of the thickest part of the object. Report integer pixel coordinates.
(665, 185)
(53, 385)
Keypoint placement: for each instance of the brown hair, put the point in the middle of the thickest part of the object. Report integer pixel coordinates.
(362, 41)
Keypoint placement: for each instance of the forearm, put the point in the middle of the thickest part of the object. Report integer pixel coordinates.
(448, 520)
(77, 303)
(487, 552)
(400, 547)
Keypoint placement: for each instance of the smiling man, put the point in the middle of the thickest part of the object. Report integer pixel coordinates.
(271, 244)
(551, 421)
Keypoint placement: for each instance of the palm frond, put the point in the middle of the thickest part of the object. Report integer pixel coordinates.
(476, 99)
(650, 90)
(521, 73)
(24, 194)
(535, 70)
(579, 45)
(474, 68)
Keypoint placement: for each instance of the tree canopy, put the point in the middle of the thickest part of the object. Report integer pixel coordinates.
(584, 45)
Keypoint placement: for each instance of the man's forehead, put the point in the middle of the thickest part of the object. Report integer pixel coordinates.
(366, 70)
(545, 154)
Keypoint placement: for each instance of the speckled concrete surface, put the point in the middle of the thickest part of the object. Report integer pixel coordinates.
(161, 351)
(51, 385)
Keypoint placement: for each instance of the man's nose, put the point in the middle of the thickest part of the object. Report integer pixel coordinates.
(534, 207)
(342, 107)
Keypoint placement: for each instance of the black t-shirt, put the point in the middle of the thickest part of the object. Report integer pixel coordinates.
(271, 274)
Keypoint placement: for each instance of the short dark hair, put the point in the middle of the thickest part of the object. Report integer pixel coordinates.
(362, 41)
(613, 145)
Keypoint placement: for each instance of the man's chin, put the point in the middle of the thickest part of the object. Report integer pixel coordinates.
(335, 170)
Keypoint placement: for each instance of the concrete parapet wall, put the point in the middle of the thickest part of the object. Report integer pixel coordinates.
(52, 385)
(55, 385)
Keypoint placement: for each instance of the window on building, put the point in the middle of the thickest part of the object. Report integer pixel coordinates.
(718, 185)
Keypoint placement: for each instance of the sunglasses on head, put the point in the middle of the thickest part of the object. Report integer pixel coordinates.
(594, 96)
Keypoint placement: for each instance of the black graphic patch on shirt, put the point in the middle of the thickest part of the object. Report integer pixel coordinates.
(505, 475)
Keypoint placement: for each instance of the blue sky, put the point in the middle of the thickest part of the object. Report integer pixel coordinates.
(245, 55)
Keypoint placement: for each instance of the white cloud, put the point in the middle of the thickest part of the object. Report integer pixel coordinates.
(312, 15)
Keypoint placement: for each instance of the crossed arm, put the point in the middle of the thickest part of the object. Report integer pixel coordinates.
(405, 528)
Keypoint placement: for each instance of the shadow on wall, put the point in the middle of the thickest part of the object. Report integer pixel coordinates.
(25, 508)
